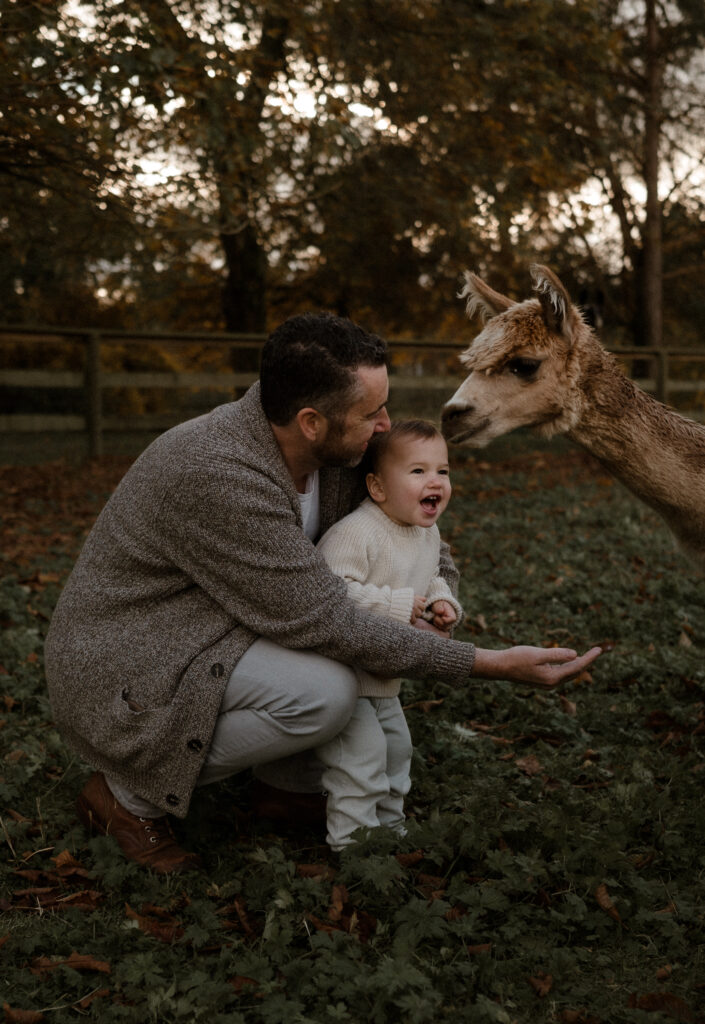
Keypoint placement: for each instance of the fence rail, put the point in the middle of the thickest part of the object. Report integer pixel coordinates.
(93, 379)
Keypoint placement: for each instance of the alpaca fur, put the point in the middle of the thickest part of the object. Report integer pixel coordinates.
(538, 364)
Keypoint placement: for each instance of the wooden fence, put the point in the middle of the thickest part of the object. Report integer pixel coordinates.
(671, 372)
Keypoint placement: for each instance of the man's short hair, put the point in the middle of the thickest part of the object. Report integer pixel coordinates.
(380, 444)
(310, 360)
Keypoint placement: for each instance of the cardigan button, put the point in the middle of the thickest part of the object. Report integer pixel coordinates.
(217, 670)
(172, 799)
(195, 745)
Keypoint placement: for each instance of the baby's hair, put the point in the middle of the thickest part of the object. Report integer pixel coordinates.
(380, 443)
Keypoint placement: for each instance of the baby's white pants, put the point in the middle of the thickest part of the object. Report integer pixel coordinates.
(366, 772)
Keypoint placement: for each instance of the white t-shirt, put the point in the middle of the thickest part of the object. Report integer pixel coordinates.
(311, 506)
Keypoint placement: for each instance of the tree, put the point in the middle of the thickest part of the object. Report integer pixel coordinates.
(640, 138)
(57, 166)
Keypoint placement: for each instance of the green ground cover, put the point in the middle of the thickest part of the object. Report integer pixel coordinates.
(554, 866)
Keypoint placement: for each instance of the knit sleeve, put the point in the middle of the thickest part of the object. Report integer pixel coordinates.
(354, 554)
(237, 537)
(439, 590)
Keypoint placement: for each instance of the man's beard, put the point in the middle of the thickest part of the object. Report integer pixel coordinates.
(334, 452)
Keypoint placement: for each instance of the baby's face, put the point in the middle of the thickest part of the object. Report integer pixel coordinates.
(412, 482)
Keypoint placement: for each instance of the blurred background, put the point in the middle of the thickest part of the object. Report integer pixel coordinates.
(207, 166)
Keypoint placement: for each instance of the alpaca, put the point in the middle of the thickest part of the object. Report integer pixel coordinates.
(538, 364)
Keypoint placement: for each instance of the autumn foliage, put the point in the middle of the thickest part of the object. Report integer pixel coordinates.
(552, 873)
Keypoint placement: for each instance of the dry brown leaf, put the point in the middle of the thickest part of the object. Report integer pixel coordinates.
(162, 927)
(541, 984)
(65, 859)
(100, 993)
(78, 961)
(530, 764)
(240, 982)
(568, 707)
(13, 1016)
(578, 1017)
(424, 705)
(663, 1002)
(407, 860)
(322, 871)
(339, 897)
(482, 947)
(605, 903)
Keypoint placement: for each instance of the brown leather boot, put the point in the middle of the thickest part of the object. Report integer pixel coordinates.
(149, 841)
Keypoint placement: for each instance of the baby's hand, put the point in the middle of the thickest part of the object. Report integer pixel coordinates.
(443, 614)
(419, 607)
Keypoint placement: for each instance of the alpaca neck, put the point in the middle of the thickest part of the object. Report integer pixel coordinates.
(657, 454)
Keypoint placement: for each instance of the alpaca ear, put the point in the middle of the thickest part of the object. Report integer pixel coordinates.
(481, 298)
(555, 302)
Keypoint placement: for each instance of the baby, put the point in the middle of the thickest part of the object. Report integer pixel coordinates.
(388, 552)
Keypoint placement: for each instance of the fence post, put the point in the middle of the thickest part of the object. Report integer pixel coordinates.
(662, 370)
(94, 397)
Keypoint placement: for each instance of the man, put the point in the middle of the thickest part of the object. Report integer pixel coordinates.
(201, 633)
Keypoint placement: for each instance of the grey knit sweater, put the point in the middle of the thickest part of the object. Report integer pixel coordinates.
(199, 551)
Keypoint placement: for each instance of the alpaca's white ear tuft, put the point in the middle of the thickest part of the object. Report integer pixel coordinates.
(554, 299)
(481, 298)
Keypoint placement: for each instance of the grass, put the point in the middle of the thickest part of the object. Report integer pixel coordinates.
(554, 868)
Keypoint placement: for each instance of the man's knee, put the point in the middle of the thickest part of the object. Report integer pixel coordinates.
(337, 702)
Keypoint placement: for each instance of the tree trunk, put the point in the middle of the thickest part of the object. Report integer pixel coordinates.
(652, 289)
(244, 292)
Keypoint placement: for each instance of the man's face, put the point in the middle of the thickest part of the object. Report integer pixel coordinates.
(346, 437)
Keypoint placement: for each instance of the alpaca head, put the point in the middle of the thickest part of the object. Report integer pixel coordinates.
(522, 366)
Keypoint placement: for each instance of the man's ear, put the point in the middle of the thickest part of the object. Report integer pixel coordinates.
(374, 487)
(311, 423)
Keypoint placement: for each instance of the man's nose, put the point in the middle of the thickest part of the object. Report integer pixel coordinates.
(383, 423)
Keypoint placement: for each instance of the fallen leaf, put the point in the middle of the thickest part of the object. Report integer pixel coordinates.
(542, 984)
(240, 982)
(578, 1017)
(339, 897)
(13, 1016)
(482, 947)
(530, 765)
(164, 928)
(407, 860)
(323, 871)
(605, 903)
(663, 1002)
(424, 705)
(100, 993)
(78, 961)
(568, 707)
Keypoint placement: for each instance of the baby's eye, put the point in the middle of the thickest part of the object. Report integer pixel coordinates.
(417, 470)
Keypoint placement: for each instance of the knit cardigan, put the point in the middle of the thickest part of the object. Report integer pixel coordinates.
(199, 551)
(385, 565)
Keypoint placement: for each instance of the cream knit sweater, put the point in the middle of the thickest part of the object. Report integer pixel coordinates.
(385, 565)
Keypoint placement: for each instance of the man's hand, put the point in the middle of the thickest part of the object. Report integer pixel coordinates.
(545, 668)
(425, 624)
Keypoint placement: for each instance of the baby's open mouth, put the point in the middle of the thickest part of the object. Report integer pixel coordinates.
(431, 501)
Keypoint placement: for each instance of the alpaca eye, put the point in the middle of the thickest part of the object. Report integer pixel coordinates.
(524, 368)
